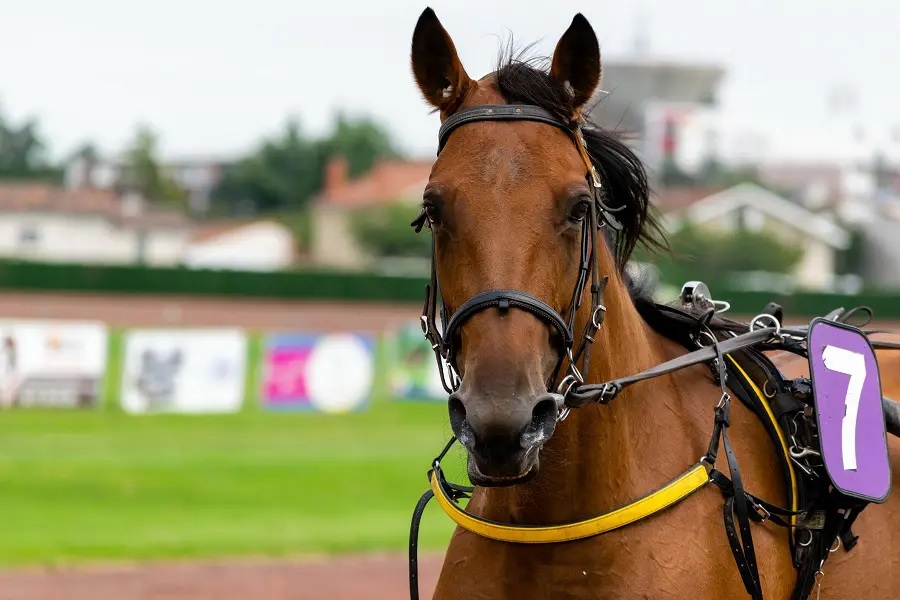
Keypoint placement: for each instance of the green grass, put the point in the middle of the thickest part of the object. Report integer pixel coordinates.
(102, 485)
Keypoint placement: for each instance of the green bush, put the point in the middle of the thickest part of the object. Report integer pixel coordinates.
(385, 231)
(698, 252)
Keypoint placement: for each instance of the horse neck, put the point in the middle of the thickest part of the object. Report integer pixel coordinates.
(602, 457)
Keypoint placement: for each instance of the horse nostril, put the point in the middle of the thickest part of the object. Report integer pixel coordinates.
(544, 411)
(543, 421)
(457, 414)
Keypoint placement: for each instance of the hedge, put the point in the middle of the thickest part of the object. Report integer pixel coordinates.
(305, 285)
(350, 286)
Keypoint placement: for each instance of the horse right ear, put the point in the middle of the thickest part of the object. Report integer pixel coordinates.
(435, 64)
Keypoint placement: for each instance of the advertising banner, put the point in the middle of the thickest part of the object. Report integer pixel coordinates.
(56, 364)
(413, 372)
(329, 373)
(184, 370)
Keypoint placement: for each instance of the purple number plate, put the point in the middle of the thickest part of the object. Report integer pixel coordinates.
(847, 391)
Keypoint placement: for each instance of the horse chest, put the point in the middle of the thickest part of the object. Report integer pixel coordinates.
(620, 565)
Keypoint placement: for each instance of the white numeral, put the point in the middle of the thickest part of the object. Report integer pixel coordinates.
(852, 364)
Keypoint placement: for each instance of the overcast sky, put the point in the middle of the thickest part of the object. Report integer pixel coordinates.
(213, 76)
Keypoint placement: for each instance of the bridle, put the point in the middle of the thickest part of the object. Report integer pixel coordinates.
(443, 342)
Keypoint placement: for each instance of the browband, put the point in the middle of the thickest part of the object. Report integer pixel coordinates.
(498, 112)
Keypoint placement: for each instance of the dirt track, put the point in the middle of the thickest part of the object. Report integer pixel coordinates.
(177, 311)
(369, 577)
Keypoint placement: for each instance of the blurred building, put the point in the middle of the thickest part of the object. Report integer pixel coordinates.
(45, 223)
(247, 245)
(197, 176)
(332, 211)
(750, 207)
(666, 108)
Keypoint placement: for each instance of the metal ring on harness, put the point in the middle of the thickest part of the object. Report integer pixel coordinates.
(766, 387)
(596, 314)
(726, 306)
(709, 336)
(809, 541)
(755, 324)
(565, 386)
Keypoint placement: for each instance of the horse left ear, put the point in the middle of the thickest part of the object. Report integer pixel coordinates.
(576, 61)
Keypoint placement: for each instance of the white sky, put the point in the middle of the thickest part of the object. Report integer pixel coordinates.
(214, 76)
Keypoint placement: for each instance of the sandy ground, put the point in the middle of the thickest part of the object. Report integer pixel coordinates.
(369, 577)
(178, 311)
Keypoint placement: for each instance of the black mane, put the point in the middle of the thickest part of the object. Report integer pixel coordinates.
(527, 81)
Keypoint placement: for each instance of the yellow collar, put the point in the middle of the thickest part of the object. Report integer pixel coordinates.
(685, 485)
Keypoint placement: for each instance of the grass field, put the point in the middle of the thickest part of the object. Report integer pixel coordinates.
(100, 485)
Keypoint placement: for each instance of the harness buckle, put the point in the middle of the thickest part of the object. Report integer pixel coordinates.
(761, 511)
(608, 393)
(598, 316)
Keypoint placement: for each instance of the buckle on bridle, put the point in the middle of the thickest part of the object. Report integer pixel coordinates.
(608, 392)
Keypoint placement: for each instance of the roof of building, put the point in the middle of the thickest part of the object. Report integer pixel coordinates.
(39, 197)
(388, 181)
(210, 230)
(815, 225)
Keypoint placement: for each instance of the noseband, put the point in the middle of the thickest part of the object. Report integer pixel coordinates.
(443, 342)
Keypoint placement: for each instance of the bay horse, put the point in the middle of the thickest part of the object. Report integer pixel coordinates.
(504, 202)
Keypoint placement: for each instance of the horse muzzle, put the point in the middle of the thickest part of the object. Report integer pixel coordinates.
(503, 437)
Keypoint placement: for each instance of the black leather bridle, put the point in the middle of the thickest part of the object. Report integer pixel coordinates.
(443, 342)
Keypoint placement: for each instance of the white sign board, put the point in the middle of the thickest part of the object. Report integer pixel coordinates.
(184, 370)
(60, 364)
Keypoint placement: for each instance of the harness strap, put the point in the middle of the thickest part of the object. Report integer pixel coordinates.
(605, 392)
(744, 553)
(671, 493)
(504, 299)
(498, 112)
(414, 544)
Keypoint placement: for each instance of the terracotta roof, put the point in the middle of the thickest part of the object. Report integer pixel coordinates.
(388, 181)
(26, 196)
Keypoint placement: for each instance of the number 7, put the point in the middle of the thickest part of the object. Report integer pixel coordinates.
(852, 364)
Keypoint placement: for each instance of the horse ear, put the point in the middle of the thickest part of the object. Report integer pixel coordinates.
(435, 64)
(576, 61)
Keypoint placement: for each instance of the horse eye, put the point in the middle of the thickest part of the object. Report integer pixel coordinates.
(579, 211)
(431, 212)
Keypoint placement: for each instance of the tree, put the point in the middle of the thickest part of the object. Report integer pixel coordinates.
(284, 173)
(385, 232)
(361, 141)
(23, 153)
(142, 172)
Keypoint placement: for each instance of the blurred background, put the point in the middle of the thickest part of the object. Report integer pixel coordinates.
(209, 288)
